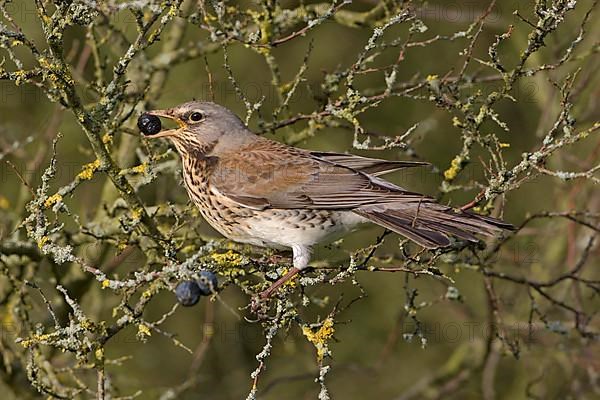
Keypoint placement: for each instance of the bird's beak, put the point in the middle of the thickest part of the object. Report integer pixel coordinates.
(170, 115)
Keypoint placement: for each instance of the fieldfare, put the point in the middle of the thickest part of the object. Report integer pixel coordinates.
(265, 193)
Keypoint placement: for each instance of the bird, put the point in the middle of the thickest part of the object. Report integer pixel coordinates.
(265, 193)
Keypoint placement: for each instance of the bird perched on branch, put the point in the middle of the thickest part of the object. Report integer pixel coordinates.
(265, 193)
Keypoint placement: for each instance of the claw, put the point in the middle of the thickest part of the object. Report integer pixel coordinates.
(265, 294)
(259, 301)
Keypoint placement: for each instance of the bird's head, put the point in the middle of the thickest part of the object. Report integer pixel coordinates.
(201, 126)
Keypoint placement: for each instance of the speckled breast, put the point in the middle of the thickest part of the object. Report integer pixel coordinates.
(222, 214)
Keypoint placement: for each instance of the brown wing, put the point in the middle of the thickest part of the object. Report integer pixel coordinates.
(269, 174)
(370, 166)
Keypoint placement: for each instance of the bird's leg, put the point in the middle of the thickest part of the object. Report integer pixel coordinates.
(265, 294)
(278, 258)
(300, 259)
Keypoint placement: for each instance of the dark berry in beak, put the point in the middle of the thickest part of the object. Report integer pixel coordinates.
(149, 124)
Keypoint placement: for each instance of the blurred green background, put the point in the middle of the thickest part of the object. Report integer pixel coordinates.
(372, 354)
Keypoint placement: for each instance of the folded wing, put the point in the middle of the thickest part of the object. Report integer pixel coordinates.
(271, 175)
(274, 175)
(370, 166)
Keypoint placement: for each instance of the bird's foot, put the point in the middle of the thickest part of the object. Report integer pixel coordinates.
(260, 301)
(277, 258)
(259, 307)
(265, 294)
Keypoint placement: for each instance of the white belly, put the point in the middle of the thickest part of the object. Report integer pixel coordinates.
(285, 229)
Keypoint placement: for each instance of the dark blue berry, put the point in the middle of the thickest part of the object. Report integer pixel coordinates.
(207, 282)
(149, 124)
(188, 293)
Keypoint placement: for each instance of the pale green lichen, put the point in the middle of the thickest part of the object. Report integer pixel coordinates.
(344, 104)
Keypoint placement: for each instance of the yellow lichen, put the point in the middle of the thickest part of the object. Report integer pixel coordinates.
(21, 76)
(45, 63)
(86, 324)
(504, 145)
(173, 11)
(35, 339)
(431, 78)
(143, 330)
(140, 169)
(227, 259)
(455, 167)
(320, 337)
(50, 201)
(136, 214)
(107, 139)
(88, 170)
(105, 283)
(292, 282)
(151, 291)
(42, 241)
(484, 208)
(99, 353)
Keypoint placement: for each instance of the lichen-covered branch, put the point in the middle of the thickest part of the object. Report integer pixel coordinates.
(93, 243)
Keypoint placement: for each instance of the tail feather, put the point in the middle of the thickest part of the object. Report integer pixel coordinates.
(430, 224)
(425, 237)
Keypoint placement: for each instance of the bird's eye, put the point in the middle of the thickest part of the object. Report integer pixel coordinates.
(196, 116)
